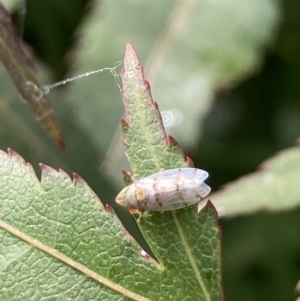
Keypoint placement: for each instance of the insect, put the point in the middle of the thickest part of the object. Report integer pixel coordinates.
(166, 190)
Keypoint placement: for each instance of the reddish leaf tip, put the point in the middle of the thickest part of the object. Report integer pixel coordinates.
(131, 57)
(14, 154)
(44, 166)
(46, 169)
(125, 173)
(155, 105)
(173, 142)
(129, 47)
(189, 162)
(11, 152)
(124, 123)
(76, 176)
(211, 206)
(108, 208)
(146, 84)
(126, 177)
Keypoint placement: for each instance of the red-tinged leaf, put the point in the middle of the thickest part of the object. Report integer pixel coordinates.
(182, 239)
(22, 71)
(155, 151)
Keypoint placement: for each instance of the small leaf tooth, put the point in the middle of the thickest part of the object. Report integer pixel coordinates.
(125, 173)
(124, 123)
(14, 154)
(126, 177)
(147, 86)
(189, 162)
(46, 169)
(155, 104)
(76, 176)
(211, 206)
(79, 182)
(172, 142)
(108, 208)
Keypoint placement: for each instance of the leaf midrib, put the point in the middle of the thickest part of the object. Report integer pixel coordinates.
(190, 257)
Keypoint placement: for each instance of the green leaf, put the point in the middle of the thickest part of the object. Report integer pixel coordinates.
(56, 238)
(58, 242)
(22, 72)
(193, 238)
(191, 50)
(146, 144)
(275, 187)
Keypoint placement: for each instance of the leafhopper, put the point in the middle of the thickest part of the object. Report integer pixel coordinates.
(166, 190)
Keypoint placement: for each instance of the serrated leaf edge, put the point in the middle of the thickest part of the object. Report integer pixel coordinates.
(11, 154)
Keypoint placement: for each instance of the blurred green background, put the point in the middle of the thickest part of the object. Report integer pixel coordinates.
(226, 75)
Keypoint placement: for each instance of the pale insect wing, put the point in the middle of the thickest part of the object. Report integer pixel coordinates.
(204, 190)
(175, 188)
(169, 175)
(174, 201)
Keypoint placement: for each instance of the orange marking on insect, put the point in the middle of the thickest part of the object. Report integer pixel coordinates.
(140, 195)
